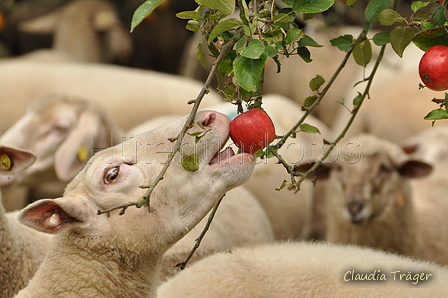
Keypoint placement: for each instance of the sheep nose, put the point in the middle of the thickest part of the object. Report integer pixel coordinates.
(355, 208)
(210, 118)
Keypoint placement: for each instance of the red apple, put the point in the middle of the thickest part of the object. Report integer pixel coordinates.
(251, 131)
(433, 68)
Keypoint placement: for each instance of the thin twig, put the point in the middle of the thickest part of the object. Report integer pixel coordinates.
(349, 123)
(190, 121)
(198, 240)
(291, 170)
(308, 111)
(355, 109)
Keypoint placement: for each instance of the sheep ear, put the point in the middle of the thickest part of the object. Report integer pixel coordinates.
(415, 169)
(46, 24)
(14, 160)
(47, 216)
(322, 172)
(73, 153)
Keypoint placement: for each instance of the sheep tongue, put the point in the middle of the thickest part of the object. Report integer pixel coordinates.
(223, 155)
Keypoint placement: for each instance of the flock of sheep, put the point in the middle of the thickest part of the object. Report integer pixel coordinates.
(86, 135)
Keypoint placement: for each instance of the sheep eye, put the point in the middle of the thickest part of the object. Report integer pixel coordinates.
(6, 162)
(111, 175)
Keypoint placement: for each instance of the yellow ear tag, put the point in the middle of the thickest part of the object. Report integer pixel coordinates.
(6, 162)
(83, 154)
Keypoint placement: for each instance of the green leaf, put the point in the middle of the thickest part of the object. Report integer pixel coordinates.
(309, 101)
(195, 134)
(292, 35)
(192, 25)
(400, 38)
(201, 56)
(309, 6)
(357, 100)
(429, 38)
(350, 2)
(283, 18)
(143, 11)
(269, 154)
(418, 5)
(226, 65)
(247, 30)
(427, 26)
(437, 114)
(316, 82)
(190, 162)
(307, 41)
(344, 42)
(186, 15)
(381, 38)
(283, 185)
(260, 154)
(223, 27)
(213, 50)
(229, 94)
(273, 36)
(271, 51)
(244, 13)
(254, 49)
(363, 53)
(308, 16)
(445, 10)
(225, 6)
(389, 16)
(305, 54)
(422, 16)
(248, 71)
(241, 42)
(445, 102)
(309, 128)
(373, 9)
(440, 17)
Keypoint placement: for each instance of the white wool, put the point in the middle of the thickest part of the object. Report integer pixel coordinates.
(306, 270)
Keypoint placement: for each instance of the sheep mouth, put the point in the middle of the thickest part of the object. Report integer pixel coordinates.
(228, 156)
(223, 155)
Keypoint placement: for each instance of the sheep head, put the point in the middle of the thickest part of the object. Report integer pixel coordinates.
(62, 132)
(370, 178)
(113, 177)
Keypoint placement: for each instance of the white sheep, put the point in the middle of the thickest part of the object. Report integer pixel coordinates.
(371, 200)
(307, 270)
(119, 255)
(84, 31)
(131, 96)
(239, 221)
(21, 249)
(63, 132)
